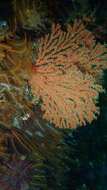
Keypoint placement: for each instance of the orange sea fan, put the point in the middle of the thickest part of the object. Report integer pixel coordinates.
(64, 77)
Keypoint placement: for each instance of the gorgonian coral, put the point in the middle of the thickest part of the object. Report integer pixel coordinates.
(68, 67)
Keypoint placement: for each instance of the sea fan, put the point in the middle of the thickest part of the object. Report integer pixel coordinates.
(65, 75)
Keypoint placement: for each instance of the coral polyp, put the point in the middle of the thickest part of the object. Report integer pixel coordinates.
(16, 175)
